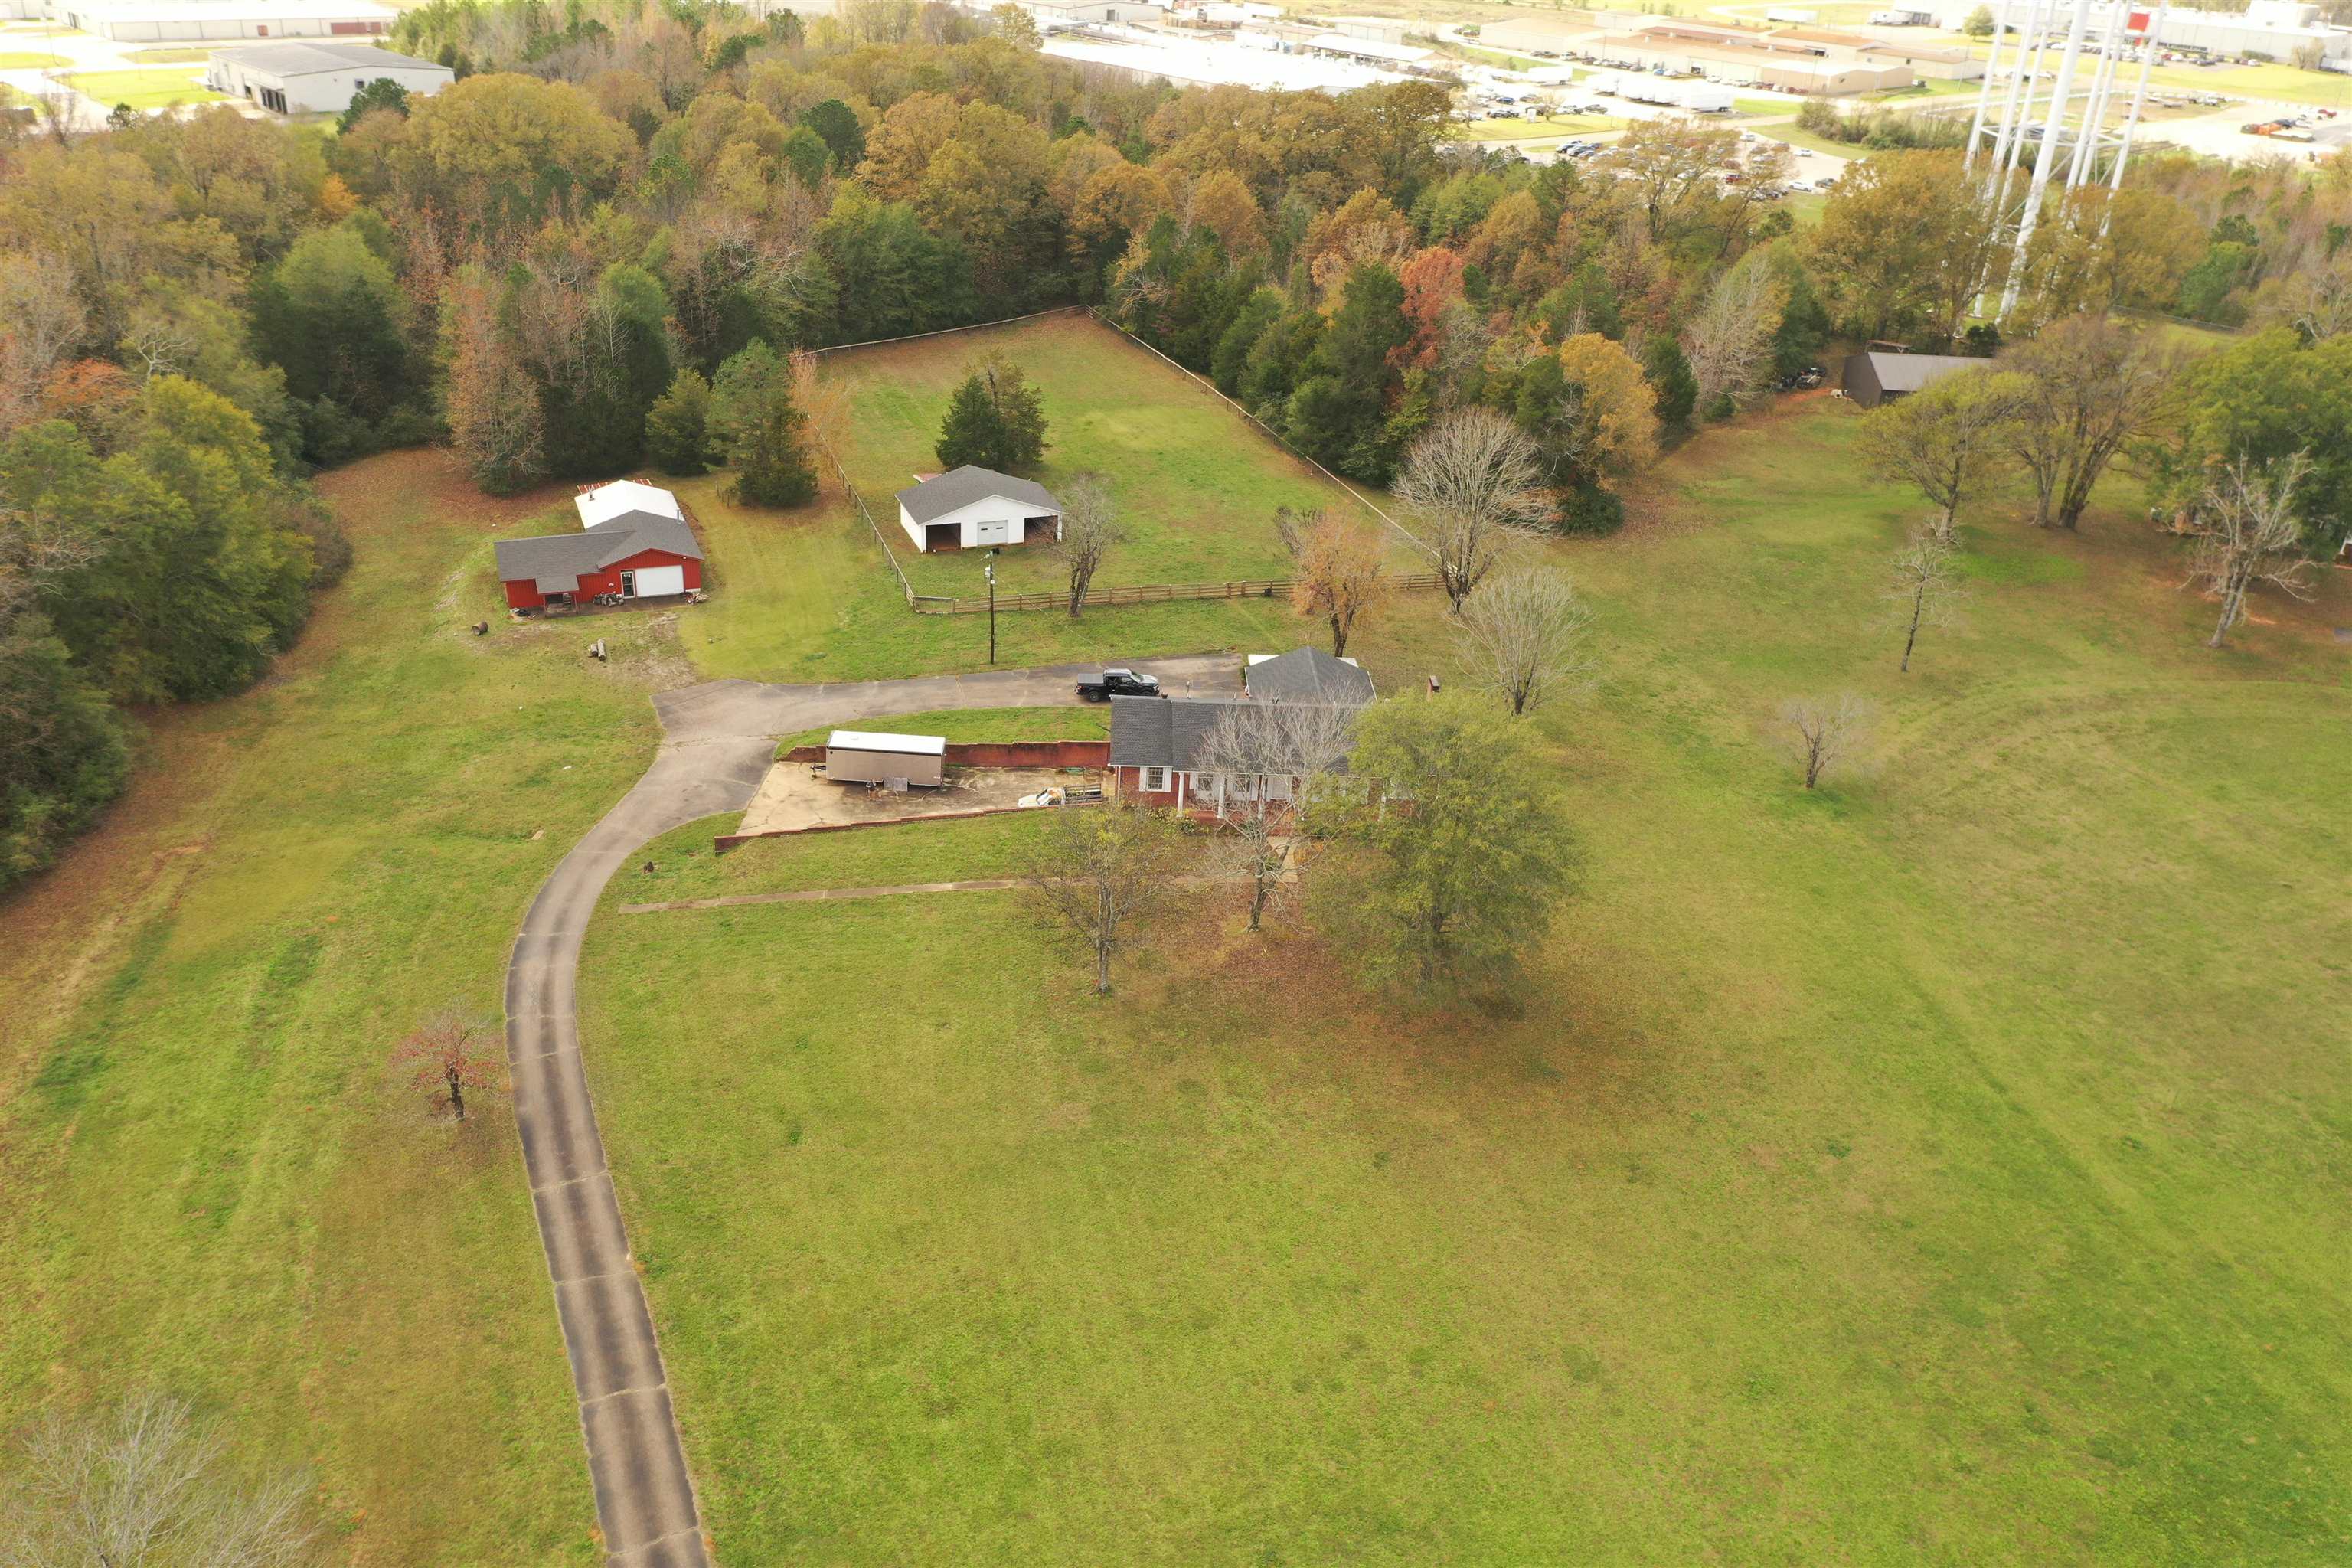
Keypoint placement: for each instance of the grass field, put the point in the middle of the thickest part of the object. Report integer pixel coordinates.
(1944, 1166)
(214, 1184)
(804, 594)
(1941, 1167)
(142, 89)
(171, 57)
(28, 60)
(1196, 484)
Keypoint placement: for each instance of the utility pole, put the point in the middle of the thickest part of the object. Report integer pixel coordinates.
(990, 568)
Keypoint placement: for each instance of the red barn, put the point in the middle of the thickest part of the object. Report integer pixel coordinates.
(637, 555)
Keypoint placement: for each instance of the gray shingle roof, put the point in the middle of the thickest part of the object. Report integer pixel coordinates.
(556, 562)
(1909, 373)
(1167, 732)
(1309, 674)
(958, 488)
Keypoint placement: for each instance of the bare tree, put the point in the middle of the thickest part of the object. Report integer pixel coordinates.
(1526, 635)
(1342, 569)
(2085, 387)
(146, 1485)
(1475, 482)
(1090, 529)
(1945, 437)
(1730, 340)
(1927, 589)
(1271, 762)
(1099, 871)
(451, 1054)
(2248, 533)
(1829, 730)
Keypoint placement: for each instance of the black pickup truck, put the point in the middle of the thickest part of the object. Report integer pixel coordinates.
(1118, 683)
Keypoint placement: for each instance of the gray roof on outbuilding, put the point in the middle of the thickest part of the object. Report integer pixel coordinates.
(1909, 373)
(1309, 674)
(556, 562)
(290, 59)
(958, 488)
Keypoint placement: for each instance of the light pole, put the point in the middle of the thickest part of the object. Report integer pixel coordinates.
(990, 568)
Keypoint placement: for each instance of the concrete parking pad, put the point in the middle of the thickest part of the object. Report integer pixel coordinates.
(796, 797)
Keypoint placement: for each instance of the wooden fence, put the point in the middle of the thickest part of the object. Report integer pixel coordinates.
(1148, 593)
(1130, 594)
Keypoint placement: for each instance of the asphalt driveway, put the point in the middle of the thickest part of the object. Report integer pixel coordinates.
(718, 738)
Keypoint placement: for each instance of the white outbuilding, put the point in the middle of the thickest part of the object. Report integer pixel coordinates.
(972, 508)
(600, 504)
(313, 79)
(867, 756)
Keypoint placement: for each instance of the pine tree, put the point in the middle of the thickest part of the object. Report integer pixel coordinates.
(995, 419)
(677, 432)
(1670, 378)
(763, 433)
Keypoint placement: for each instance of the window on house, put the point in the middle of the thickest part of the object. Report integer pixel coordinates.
(1155, 781)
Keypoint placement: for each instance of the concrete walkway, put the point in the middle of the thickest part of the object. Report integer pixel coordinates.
(716, 740)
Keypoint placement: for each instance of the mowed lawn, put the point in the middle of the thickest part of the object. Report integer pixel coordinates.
(1945, 1166)
(1195, 483)
(216, 1184)
(142, 89)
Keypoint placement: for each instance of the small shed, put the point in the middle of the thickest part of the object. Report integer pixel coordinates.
(865, 756)
(1872, 379)
(972, 508)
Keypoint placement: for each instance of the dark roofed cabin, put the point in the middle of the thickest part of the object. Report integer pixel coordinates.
(1872, 379)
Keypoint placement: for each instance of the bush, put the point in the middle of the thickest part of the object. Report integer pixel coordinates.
(1589, 510)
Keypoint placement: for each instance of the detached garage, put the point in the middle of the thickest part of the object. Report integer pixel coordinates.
(865, 756)
(972, 508)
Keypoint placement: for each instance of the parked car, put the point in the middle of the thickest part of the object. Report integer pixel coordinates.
(1119, 683)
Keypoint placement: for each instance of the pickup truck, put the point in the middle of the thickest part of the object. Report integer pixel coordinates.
(1118, 683)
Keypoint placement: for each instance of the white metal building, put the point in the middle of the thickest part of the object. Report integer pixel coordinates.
(306, 79)
(972, 508)
(603, 503)
(175, 21)
(866, 756)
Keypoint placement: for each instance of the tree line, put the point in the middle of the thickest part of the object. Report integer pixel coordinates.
(608, 242)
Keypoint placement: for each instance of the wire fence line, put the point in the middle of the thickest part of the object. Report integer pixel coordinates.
(1130, 594)
(1210, 387)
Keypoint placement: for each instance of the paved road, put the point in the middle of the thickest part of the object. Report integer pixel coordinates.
(717, 739)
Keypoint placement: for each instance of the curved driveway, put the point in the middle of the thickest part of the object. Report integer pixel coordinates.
(716, 740)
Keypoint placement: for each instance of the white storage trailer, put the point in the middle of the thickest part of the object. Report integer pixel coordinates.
(865, 756)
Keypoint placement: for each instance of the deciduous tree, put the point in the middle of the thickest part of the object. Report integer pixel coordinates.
(1341, 572)
(1927, 589)
(2249, 532)
(1455, 854)
(1474, 485)
(147, 1484)
(1272, 764)
(2088, 387)
(1100, 873)
(1826, 731)
(1526, 635)
(1946, 438)
(449, 1054)
(994, 418)
(1090, 530)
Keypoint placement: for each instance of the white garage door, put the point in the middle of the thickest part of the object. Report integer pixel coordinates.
(654, 580)
(995, 531)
